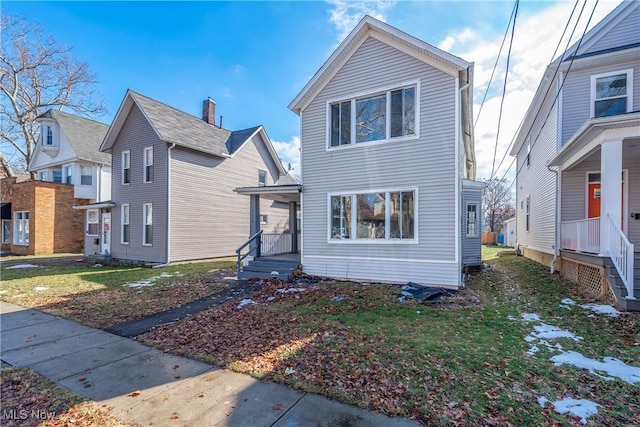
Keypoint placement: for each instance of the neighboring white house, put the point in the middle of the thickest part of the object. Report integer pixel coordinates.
(68, 151)
(578, 160)
(386, 150)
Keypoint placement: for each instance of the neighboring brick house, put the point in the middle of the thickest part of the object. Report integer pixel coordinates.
(38, 218)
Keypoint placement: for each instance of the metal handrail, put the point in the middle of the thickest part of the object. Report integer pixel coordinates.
(256, 248)
(622, 255)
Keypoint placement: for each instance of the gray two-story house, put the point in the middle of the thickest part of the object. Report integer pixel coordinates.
(578, 161)
(172, 184)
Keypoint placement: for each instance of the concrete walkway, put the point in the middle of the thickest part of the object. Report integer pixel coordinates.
(151, 387)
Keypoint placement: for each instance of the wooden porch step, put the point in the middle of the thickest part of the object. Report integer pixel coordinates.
(262, 268)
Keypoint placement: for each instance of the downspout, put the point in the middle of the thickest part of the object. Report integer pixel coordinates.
(168, 227)
(556, 246)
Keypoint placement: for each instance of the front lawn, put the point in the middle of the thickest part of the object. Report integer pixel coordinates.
(102, 296)
(479, 358)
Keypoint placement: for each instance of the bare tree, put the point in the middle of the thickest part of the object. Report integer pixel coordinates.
(36, 74)
(497, 203)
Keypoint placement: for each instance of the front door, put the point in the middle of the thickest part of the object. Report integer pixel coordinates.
(593, 197)
(105, 247)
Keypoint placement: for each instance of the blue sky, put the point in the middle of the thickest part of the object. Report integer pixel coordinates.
(252, 58)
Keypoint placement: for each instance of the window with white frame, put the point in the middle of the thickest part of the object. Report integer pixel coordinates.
(264, 219)
(6, 231)
(93, 222)
(126, 167)
(526, 213)
(472, 219)
(124, 221)
(262, 177)
(147, 230)
(384, 216)
(47, 136)
(68, 174)
(377, 117)
(529, 152)
(57, 175)
(148, 164)
(611, 93)
(86, 175)
(21, 228)
(42, 175)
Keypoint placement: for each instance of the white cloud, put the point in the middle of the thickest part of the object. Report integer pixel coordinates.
(289, 153)
(345, 15)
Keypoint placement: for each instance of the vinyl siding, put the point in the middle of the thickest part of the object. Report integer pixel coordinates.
(135, 135)
(538, 182)
(471, 245)
(427, 165)
(577, 95)
(623, 33)
(208, 219)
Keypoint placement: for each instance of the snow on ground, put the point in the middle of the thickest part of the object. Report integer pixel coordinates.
(151, 280)
(40, 288)
(245, 302)
(582, 408)
(612, 366)
(596, 308)
(290, 290)
(22, 266)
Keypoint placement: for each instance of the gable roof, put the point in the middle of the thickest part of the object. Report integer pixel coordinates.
(84, 135)
(579, 50)
(177, 127)
(371, 27)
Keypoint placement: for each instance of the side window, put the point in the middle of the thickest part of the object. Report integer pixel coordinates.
(472, 219)
(126, 167)
(262, 178)
(611, 93)
(148, 164)
(93, 222)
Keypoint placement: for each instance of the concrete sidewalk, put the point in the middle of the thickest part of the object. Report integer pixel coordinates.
(151, 387)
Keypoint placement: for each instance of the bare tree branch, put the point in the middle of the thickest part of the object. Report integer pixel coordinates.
(36, 74)
(497, 204)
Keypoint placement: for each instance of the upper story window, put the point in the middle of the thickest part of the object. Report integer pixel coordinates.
(262, 177)
(86, 175)
(377, 117)
(148, 164)
(49, 135)
(529, 152)
(126, 167)
(611, 93)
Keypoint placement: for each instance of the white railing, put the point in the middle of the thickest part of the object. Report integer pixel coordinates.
(621, 253)
(275, 244)
(582, 235)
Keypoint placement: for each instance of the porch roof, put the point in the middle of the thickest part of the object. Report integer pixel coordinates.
(96, 205)
(595, 132)
(280, 193)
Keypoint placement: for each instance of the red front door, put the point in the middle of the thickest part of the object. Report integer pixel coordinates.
(593, 202)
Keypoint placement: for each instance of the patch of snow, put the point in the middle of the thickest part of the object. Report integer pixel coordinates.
(402, 298)
(165, 274)
(289, 371)
(408, 288)
(271, 298)
(544, 331)
(97, 265)
(246, 302)
(567, 301)
(13, 267)
(530, 317)
(602, 309)
(3, 292)
(612, 366)
(510, 317)
(533, 350)
(40, 288)
(542, 400)
(337, 299)
(140, 284)
(290, 290)
(230, 278)
(582, 408)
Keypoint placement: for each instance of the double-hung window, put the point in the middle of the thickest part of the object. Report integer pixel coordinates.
(93, 222)
(86, 175)
(57, 175)
(262, 178)
(148, 164)
(48, 135)
(126, 167)
(21, 228)
(611, 93)
(377, 117)
(147, 229)
(383, 216)
(124, 213)
(527, 213)
(68, 174)
(472, 219)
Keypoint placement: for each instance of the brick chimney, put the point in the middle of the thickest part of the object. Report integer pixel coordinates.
(209, 111)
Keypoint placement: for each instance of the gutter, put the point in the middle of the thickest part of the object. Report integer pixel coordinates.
(168, 229)
(556, 245)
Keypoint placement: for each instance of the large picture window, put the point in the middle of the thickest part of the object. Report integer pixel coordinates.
(124, 235)
(611, 93)
(376, 216)
(147, 230)
(377, 117)
(93, 222)
(21, 228)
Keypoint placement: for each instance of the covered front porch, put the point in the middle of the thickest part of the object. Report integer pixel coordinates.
(599, 200)
(264, 253)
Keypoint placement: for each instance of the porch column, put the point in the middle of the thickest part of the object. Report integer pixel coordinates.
(293, 226)
(254, 216)
(610, 190)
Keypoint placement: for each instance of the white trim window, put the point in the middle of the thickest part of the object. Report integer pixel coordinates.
(529, 152)
(262, 178)
(68, 174)
(126, 167)
(527, 215)
(47, 136)
(373, 216)
(264, 219)
(124, 221)
(57, 175)
(86, 175)
(472, 220)
(611, 93)
(148, 164)
(382, 116)
(93, 222)
(6, 231)
(21, 228)
(147, 224)
(42, 176)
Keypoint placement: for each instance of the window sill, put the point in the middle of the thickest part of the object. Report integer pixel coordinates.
(373, 241)
(147, 244)
(21, 244)
(374, 143)
(125, 243)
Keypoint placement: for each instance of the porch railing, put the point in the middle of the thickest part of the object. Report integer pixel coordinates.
(254, 248)
(621, 253)
(276, 244)
(582, 235)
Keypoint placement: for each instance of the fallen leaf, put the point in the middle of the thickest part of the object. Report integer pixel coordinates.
(175, 416)
(201, 395)
(82, 378)
(278, 407)
(227, 412)
(134, 394)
